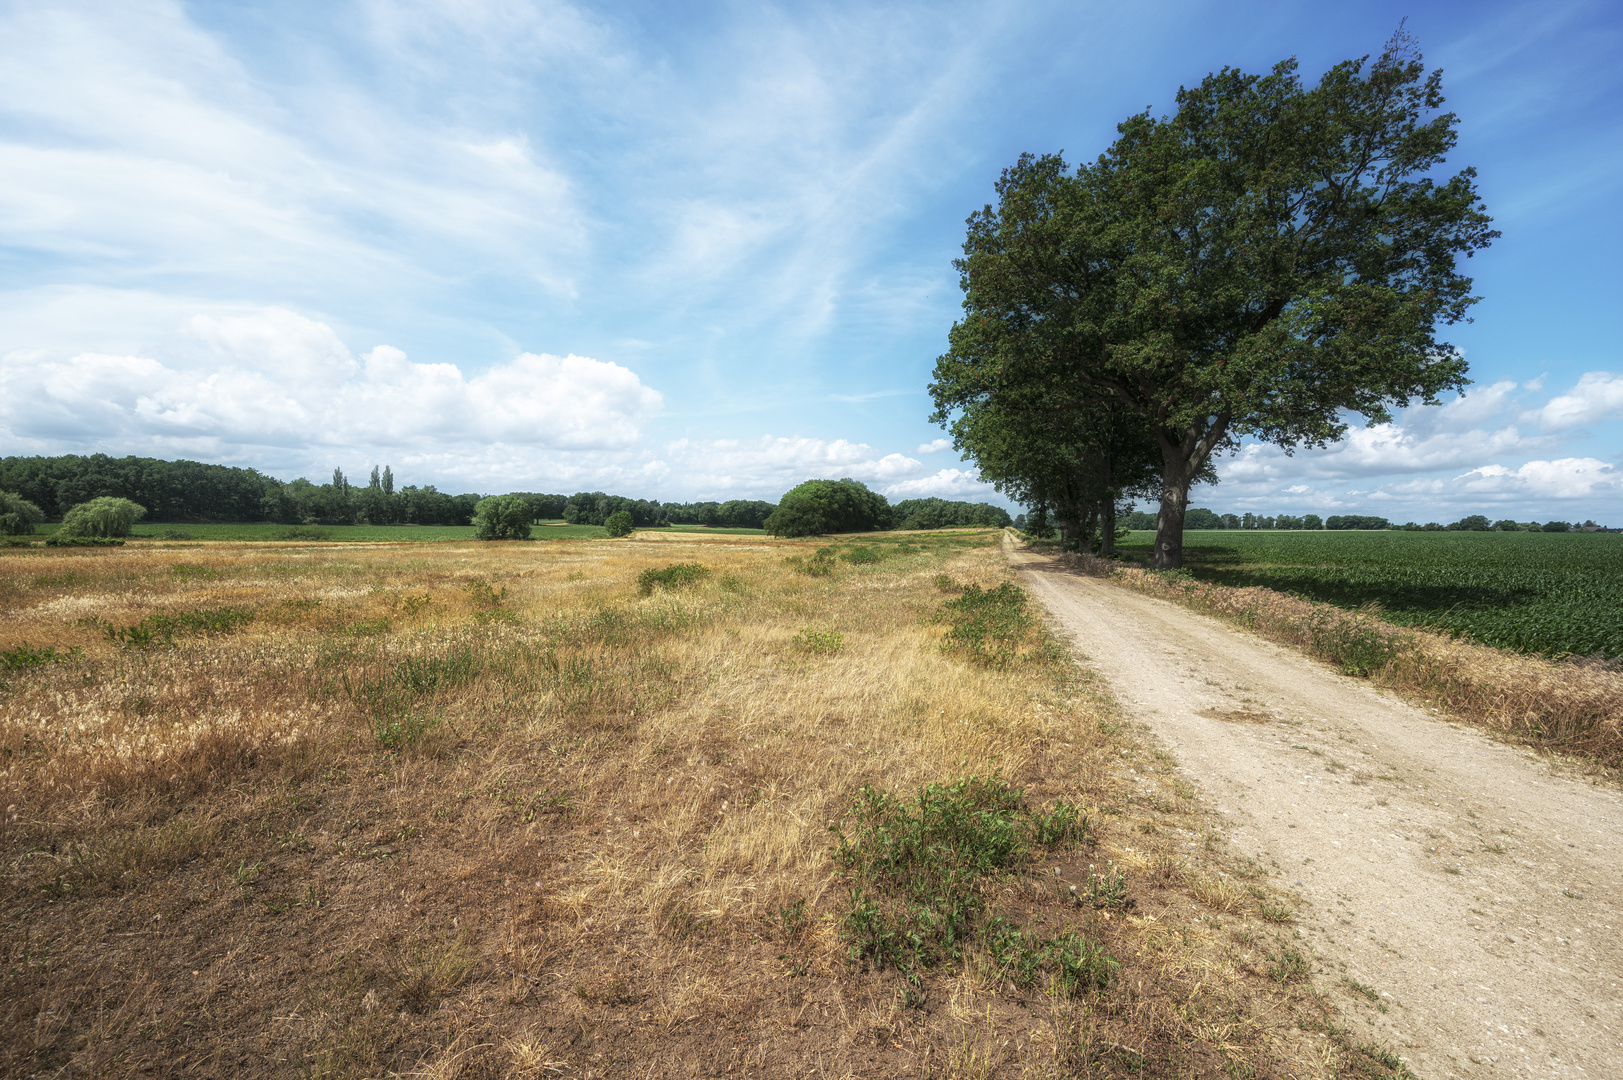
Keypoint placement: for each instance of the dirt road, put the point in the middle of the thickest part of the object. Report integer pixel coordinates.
(1475, 889)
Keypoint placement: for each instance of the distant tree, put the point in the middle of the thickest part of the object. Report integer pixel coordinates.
(1200, 518)
(18, 516)
(1557, 526)
(105, 516)
(829, 506)
(1474, 523)
(1507, 526)
(1357, 521)
(502, 517)
(620, 523)
(1312, 521)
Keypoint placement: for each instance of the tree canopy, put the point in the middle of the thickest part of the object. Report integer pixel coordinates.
(1264, 261)
(104, 517)
(502, 517)
(829, 506)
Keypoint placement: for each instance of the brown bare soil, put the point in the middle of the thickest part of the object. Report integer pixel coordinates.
(489, 810)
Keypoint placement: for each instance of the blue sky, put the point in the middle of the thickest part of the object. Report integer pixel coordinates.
(704, 251)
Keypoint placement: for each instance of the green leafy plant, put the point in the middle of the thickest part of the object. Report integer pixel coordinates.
(620, 523)
(988, 625)
(22, 657)
(821, 641)
(675, 576)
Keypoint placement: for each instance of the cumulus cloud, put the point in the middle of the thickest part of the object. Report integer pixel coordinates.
(1598, 396)
(767, 467)
(934, 446)
(964, 484)
(1563, 478)
(277, 379)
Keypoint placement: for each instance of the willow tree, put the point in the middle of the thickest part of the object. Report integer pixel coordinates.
(1266, 260)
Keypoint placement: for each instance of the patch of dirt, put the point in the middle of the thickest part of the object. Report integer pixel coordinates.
(1461, 896)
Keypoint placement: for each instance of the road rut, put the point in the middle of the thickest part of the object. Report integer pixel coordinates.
(1475, 887)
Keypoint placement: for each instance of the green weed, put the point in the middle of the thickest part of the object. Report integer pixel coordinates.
(675, 576)
(822, 642)
(988, 625)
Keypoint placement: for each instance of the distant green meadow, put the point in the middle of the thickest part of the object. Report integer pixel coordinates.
(1551, 593)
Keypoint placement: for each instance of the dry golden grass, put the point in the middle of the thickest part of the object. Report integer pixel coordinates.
(484, 810)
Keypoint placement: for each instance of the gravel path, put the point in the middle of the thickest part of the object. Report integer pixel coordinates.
(1475, 888)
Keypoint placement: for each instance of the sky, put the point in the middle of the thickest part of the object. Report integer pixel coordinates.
(704, 251)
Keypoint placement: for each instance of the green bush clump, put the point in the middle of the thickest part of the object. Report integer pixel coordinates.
(620, 523)
(862, 555)
(988, 625)
(675, 576)
(160, 630)
(23, 657)
(103, 517)
(829, 506)
(913, 868)
(503, 517)
(59, 540)
(18, 516)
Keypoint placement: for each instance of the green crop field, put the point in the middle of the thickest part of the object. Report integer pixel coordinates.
(1552, 593)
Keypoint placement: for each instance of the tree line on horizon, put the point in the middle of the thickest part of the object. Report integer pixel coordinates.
(39, 489)
(1201, 518)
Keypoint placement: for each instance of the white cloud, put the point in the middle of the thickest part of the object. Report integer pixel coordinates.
(1598, 396)
(278, 379)
(934, 446)
(958, 484)
(1564, 478)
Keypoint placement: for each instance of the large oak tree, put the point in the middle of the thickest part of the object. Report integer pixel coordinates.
(1260, 263)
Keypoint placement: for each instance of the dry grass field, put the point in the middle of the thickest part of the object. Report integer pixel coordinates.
(555, 810)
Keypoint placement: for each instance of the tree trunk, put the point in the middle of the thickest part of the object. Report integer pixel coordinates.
(1107, 527)
(1169, 524)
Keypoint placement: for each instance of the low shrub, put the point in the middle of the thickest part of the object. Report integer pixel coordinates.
(988, 625)
(59, 540)
(304, 532)
(160, 630)
(620, 523)
(675, 576)
(23, 657)
(914, 870)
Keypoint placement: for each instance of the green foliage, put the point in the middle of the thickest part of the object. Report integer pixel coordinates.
(23, 657)
(18, 516)
(620, 523)
(59, 540)
(675, 576)
(821, 641)
(160, 630)
(818, 507)
(1262, 263)
(103, 517)
(914, 870)
(988, 625)
(502, 517)
(1550, 593)
(862, 555)
(912, 514)
(819, 564)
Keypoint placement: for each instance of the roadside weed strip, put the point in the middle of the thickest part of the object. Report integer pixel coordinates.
(598, 808)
